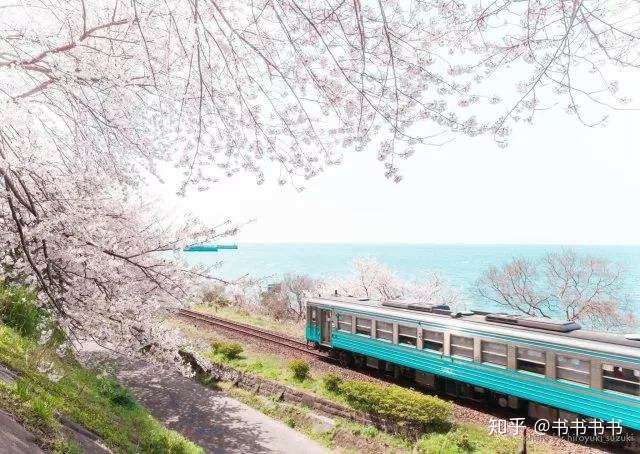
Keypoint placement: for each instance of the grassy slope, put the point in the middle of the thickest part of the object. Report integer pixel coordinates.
(461, 439)
(99, 404)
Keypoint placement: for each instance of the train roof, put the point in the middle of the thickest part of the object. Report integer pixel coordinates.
(553, 331)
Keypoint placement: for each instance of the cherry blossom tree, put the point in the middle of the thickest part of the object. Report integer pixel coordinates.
(515, 286)
(281, 300)
(297, 289)
(246, 292)
(371, 279)
(562, 284)
(97, 98)
(286, 299)
(589, 289)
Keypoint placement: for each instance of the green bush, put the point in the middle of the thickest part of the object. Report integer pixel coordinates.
(116, 394)
(19, 310)
(331, 382)
(300, 369)
(396, 403)
(230, 350)
(370, 432)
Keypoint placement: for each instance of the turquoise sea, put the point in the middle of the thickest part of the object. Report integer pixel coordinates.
(460, 265)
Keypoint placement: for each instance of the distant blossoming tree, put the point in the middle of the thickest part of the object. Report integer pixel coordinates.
(374, 280)
(297, 289)
(97, 97)
(281, 300)
(561, 285)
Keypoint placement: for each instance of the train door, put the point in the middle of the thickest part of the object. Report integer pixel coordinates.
(325, 326)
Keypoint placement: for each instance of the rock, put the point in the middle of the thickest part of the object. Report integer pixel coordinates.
(87, 440)
(320, 423)
(16, 439)
(6, 375)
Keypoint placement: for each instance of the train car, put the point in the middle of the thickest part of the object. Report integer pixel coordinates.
(552, 369)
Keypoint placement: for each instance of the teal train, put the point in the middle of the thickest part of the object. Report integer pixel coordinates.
(209, 247)
(549, 369)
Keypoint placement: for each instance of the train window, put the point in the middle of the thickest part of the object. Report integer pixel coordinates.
(494, 353)
(384, 331)
(621, 379)
(407, 335)
(573, 369)
(462, 346)
(344, 322)
(363, 326)
(433, 340)
(313, 315)
(531, 360)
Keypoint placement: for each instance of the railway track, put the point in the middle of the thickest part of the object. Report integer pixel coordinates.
(467, 409)
(295, 344)
(242, 328)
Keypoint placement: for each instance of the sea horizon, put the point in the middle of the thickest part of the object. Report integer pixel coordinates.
(460, 265)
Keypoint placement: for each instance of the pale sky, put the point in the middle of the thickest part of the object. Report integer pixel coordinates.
(557, 182)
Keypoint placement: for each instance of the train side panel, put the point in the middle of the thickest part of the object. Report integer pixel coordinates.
(312, 333)
(574, 398)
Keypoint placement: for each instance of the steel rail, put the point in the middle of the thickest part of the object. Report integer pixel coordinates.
(243, 328)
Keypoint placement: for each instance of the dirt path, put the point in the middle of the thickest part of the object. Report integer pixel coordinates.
(216, 422)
